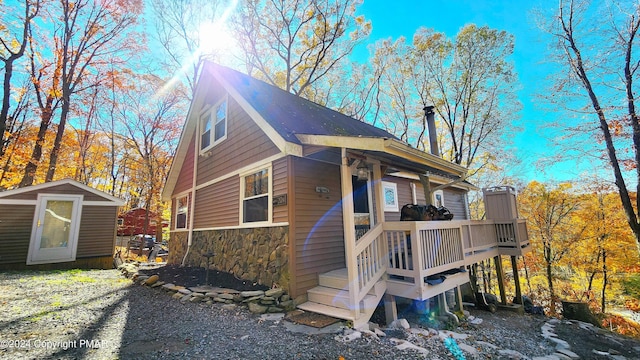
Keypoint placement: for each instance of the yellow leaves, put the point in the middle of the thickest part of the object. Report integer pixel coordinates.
(55, 93)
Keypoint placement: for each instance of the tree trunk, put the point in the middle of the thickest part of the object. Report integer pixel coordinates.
(4, 112)
(36, 154)
(549, 273)
(526, 273)
(605, 281)
(53, 157)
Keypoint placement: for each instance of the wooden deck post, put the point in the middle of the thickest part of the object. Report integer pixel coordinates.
(349, 232)
(498, 262)
(379, 193)
(459, 306)
(390, 308)
(516, 279)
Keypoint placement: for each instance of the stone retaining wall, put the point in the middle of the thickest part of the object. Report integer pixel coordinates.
(260, 255)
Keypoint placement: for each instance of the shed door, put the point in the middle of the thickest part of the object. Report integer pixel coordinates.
(54, 237)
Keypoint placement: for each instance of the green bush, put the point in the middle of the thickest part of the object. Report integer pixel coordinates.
(631, 285)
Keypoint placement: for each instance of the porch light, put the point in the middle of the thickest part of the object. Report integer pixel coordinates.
(362, 172)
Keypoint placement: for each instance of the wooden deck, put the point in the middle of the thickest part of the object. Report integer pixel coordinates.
(415, 260)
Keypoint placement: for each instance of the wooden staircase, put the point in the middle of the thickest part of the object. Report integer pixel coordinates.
(331, 298)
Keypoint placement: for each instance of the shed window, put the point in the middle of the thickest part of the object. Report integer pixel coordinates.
(255, 197)
(214, 125)
(182, 210)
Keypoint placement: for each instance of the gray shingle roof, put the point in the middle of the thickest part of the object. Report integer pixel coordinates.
(289, 114)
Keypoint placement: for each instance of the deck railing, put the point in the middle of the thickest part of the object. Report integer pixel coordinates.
(418, 249)
(371, 260)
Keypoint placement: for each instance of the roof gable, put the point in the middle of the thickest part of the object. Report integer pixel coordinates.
(290, 114)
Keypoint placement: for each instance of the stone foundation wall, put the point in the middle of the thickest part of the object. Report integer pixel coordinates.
(177, 247)
(260, 255)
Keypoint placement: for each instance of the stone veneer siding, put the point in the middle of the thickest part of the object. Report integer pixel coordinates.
(259, 255)
(177, 247)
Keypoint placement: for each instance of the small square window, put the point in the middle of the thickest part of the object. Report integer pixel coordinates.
(438, 198)
(390, 193)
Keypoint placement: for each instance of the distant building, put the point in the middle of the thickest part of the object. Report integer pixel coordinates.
(133, 222)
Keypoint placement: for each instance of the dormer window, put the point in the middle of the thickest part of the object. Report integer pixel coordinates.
(213, 125)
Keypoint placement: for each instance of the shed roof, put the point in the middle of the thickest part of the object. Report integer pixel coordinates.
(7, 196)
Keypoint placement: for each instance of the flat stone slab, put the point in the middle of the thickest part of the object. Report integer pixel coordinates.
(272, 317)
(250, 294)
(168, 286)
(568, 353)
(201, 289)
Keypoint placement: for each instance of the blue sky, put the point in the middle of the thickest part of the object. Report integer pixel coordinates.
(515, 17)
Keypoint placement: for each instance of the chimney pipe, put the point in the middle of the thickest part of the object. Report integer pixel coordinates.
(431, 124)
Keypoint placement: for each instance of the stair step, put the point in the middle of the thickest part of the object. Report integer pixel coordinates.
(337, 279)
(327, 310)
(338, 298)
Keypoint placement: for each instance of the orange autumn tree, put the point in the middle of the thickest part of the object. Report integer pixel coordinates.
(598, 261)
(548, 210)
(13, 41)
(150, 118)
(85, 36)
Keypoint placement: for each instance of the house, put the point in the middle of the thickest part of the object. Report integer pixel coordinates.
(139, 221)
(288, 193)
(57, 225)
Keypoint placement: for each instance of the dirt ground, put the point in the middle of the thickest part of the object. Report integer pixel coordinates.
(518, 330)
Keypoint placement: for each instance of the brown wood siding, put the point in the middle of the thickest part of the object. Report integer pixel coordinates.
(280, 171)
(15, 232)
(318, 234)
(96, 235)
(218, 204)
(97, 231)
(454, 200)
(245, 144)
(185, 178)
(62, 189)
(404, 195)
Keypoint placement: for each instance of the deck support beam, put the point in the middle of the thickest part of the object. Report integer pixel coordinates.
(498, 262)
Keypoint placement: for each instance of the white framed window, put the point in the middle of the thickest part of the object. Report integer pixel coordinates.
(438, 198)
(390, 191)
(213, 125)
(182, 212)
(256, 204)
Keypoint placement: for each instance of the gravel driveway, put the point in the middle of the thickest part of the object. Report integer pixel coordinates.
(102, 315)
